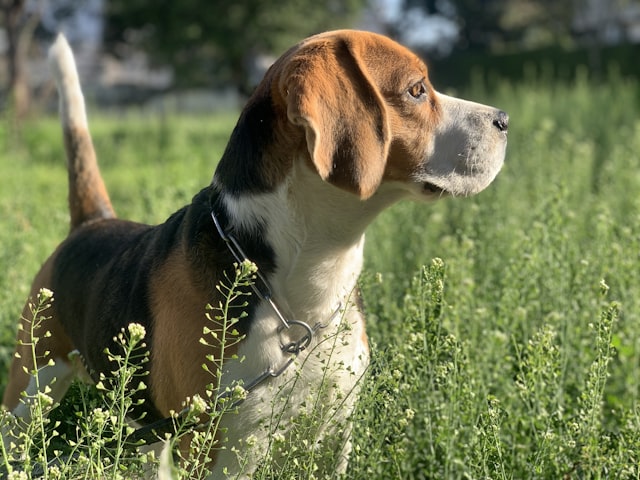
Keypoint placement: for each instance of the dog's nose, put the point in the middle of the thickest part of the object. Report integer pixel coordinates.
(502, 121)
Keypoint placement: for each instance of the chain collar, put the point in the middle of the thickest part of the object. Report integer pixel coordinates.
(263, 291)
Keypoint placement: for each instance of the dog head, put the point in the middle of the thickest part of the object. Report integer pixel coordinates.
(370, 116)
(360, 110)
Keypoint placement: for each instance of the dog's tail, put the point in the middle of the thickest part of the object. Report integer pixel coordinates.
(88, 197)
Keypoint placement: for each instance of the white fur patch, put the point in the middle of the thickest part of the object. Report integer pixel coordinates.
(63, 67)
(468, 149)
(315, 231)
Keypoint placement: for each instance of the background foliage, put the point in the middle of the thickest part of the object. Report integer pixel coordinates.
(216, 44)
(219, 39)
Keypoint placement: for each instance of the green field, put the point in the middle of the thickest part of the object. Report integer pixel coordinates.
(514, 356)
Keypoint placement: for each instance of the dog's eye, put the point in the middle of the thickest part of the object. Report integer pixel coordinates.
(418, 90)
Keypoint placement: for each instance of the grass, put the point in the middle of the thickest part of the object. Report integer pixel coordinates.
(505, 328)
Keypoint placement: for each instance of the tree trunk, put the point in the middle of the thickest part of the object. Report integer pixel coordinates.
(19, 30)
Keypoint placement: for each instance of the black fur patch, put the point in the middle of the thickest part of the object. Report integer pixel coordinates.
(246, 151)
(103, 270)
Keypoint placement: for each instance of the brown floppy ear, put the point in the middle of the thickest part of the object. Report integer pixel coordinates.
(331, 95)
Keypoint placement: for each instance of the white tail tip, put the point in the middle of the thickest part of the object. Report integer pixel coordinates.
(63, 67)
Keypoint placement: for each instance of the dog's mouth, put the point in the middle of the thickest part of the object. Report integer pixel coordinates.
(432, 189)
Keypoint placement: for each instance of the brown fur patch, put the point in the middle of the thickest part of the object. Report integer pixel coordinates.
(88, 197)
(327, 76)
(178, 307)
(56, 346)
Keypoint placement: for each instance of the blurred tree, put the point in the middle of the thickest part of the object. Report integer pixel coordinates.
(479, 21)
(19, 30)
(498, 25)
(533, 23)
(219, 40)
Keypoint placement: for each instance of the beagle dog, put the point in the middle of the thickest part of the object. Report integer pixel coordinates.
(343, 125)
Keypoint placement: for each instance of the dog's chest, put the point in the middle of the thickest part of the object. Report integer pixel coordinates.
(317, 390)
(337, 353)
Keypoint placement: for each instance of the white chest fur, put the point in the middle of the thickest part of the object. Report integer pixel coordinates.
(315, 394)
(316, 274)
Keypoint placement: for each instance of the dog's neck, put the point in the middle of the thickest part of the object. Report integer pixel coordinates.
(316, 232)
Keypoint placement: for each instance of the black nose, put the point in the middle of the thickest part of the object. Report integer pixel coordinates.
(502, 121)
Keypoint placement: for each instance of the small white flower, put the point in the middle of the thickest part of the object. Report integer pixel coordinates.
(136, 331)
(44, 399)
(45, 293)
(99, 416)
(17, 476)
(251, 440)
(239, 392)
(54, 472)
(198, 405)
(247, 267)
(604, 288)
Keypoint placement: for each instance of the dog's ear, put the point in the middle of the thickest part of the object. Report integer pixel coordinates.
(331, 95)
